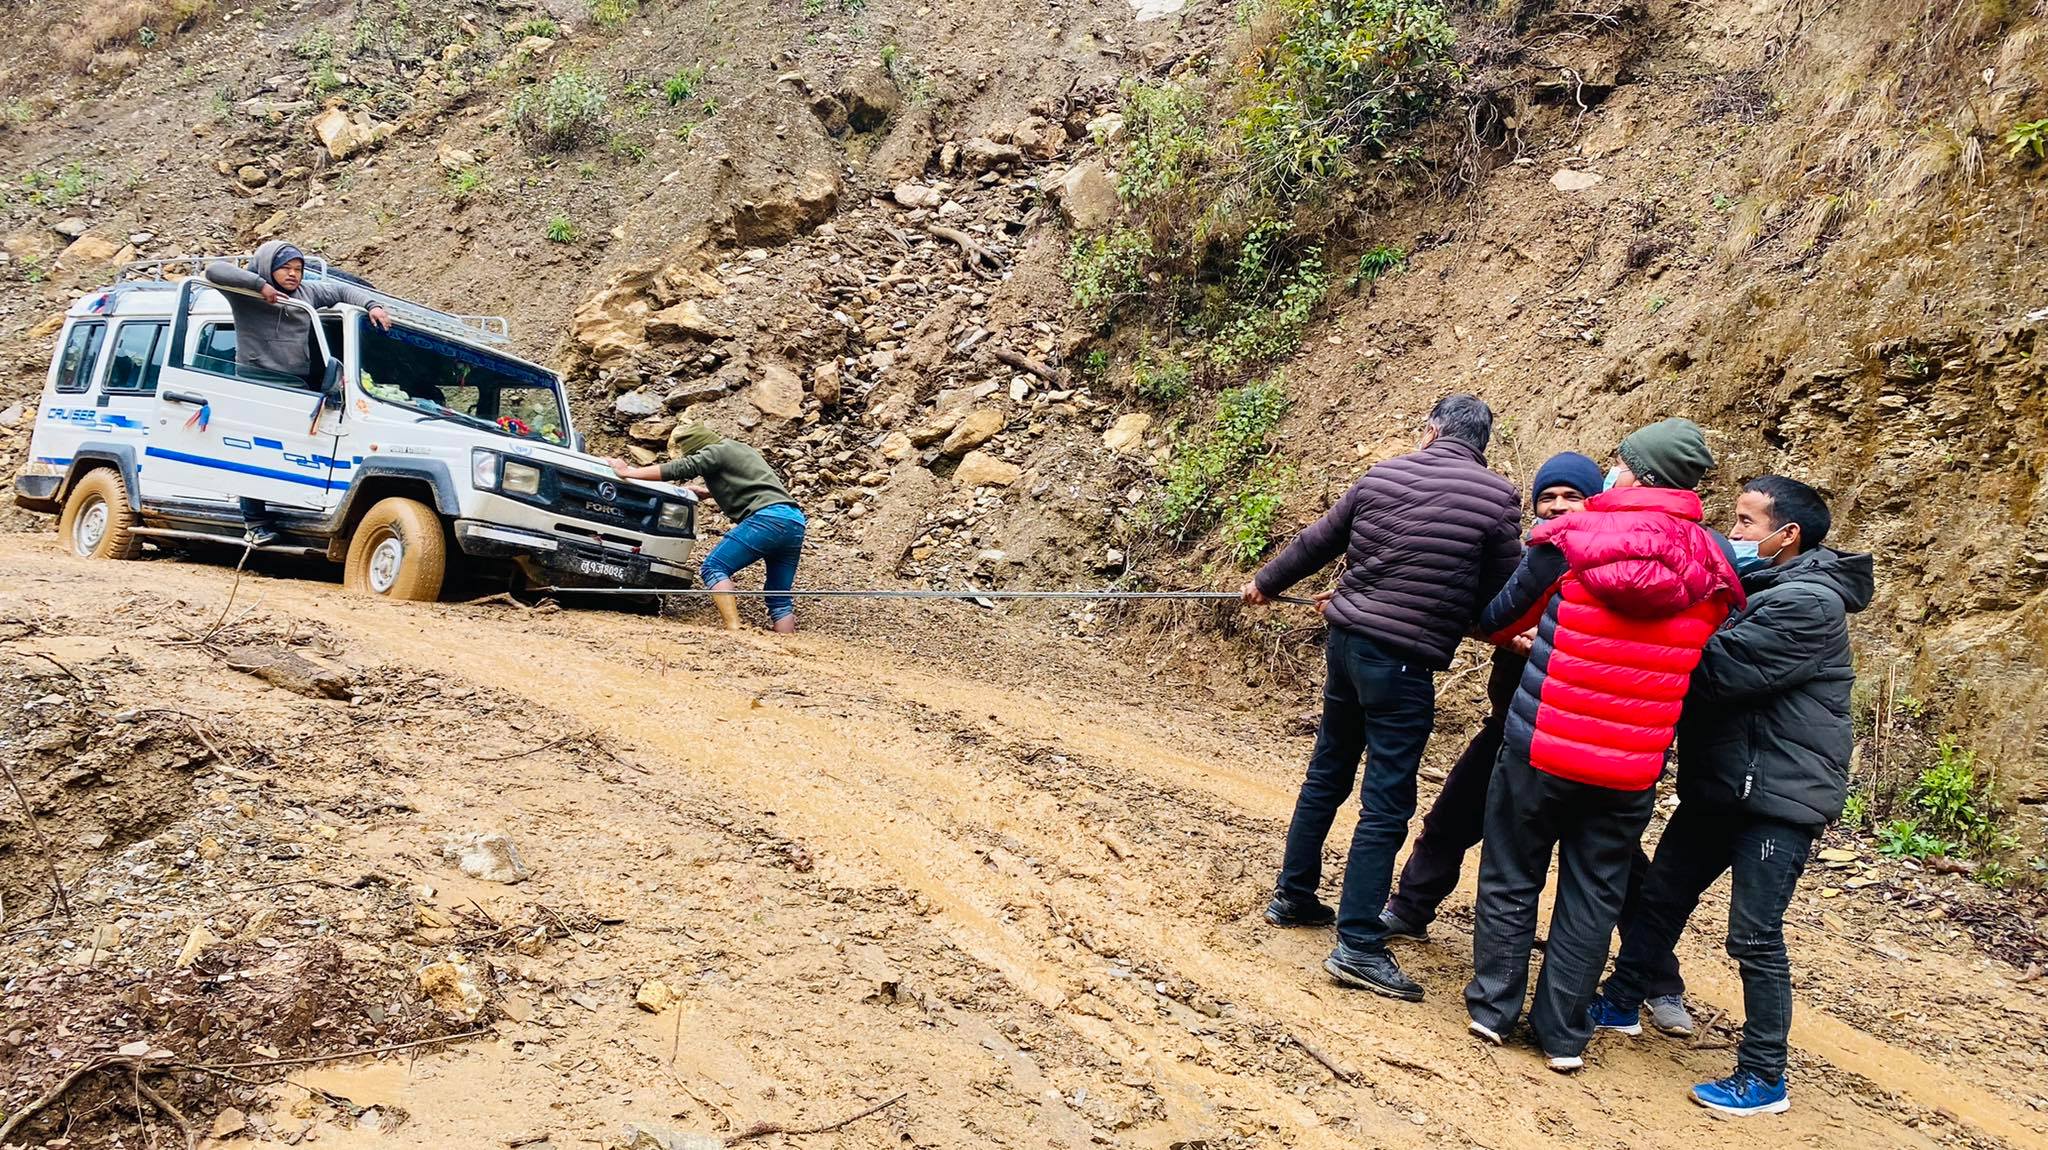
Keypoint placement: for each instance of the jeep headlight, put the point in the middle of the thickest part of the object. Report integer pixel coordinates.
(520, 478)
(675, 516)
(483, 469)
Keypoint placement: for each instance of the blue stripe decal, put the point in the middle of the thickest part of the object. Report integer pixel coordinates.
(64, 462)
(241, 468)
(262, 442)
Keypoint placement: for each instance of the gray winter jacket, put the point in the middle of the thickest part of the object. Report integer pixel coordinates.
(1766, 727)
(275, 337)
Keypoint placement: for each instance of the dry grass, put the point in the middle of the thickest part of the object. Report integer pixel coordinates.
(79, 41)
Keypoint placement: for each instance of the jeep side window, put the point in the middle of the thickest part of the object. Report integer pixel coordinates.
(138, 356)
(81, 356)
(216, 353)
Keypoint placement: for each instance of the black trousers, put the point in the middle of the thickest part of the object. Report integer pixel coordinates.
(1457, 821)
(1766, 858)
(1595, 832)
(1380, 704)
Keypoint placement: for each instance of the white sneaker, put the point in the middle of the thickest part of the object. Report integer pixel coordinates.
(1565, 1063)
(1484, 1032)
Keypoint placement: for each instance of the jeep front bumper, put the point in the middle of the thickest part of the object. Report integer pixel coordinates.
(572, 560)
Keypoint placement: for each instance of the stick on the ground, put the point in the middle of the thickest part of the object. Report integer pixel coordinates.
(1026, 363)
(764, 1129)
(550, 745)
(42, 840)
(1347, 1077)
(52, 661)
(157, 1100)
(29, 1111)
(338, 1055)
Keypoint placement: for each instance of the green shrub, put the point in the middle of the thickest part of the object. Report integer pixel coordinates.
(1269, 325)
(1955, 804)
(1107, 270)
(1164, 382)
(1165, 139)
(1903, 838)
(1343, 76)
(541, 27)
(2030, 136)
(561, 230)
(1210, 461)
(683, 84)
(569, 108)
(1250, 511)
(1376, 262)
(314, 45)
(612, 13)
(465, 183)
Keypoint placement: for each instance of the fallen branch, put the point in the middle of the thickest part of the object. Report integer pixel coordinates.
(42, 840)
(974, 255)
(547, 746)
(764, 1129)
(157, 1100)
(1347, 1077)
(29, 1111)
(1025, 363)
(338, 1055)
(52, 661)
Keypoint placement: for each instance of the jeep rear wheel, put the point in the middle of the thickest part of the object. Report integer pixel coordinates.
(398, 552)
(98, 522)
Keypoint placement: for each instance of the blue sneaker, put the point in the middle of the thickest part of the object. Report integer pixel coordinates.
(1607, 1016)
(1743, 1093)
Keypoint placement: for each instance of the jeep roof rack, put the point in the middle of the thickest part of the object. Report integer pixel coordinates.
(487, 328)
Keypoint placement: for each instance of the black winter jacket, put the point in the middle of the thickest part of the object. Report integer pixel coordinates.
(1429, 537)
(1766, 726)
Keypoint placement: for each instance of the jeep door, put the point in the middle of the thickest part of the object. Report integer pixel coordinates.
(225, 431)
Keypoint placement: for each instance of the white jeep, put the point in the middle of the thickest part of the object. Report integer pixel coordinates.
(416, 443)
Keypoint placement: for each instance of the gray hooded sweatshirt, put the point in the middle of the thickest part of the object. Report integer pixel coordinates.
(274, 337)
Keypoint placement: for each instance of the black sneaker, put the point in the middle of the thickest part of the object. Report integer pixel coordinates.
(1398, 927)
(1284, 911)
(1373, 970)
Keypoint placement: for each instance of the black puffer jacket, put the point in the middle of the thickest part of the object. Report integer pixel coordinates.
(1766, 726)
(1430, 537)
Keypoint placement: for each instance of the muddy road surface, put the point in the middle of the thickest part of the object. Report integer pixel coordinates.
(941, 857)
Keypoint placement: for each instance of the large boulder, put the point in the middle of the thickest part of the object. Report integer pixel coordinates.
(88, 251)
(984, 155)
(778, 393)
(787, 210)
(980, 469)
(685, 321)
(974, 429)
(343, 134)
(870, 96)
(1087, 196)
(1127, 433)
(637, 405)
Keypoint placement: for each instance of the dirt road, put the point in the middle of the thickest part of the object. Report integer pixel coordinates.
(1002, 875)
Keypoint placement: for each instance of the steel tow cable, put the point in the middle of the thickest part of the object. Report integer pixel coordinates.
(885, 593)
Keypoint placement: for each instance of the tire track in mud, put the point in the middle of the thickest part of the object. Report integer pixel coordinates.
(1090, 853)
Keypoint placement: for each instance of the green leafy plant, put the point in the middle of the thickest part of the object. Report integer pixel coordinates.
(1995, 875)
(1856, 811)
(567, 109)
(33, 271)
(890, 52)
(612, 13)
(1376, 262)
(561, 230)
(1108, 270)
(1210, 460)
(541, 27)
(1903, 838)
(2029, 137)
(314, 45)
(1164, 382)
(628, 150)
(466, 182)
(326, 78)
(683, 84)
(1096, 364)
(1250, 512)
(1165, 139)
(813, 8)
(1268, 325)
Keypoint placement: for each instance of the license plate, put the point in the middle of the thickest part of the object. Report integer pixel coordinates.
(601, 569)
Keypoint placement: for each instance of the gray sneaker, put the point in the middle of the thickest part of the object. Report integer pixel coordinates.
(1669, 1015)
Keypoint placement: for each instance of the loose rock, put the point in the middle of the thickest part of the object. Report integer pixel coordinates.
(490, 857)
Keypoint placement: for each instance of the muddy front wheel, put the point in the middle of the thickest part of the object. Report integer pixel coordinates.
(98, 521)
(398, 552)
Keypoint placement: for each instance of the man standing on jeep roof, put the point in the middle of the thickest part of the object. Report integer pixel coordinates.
(270, 336)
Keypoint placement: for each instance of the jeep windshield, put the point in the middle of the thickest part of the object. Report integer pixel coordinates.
(443, 379)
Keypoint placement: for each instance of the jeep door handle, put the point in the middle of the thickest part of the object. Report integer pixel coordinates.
(185, 397)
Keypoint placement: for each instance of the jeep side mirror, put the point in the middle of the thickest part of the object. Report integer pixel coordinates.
(330, 385)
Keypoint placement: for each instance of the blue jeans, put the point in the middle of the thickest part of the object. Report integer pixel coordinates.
(773, 537)
(1381, 704)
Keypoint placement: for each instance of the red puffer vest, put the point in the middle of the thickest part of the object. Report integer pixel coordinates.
(1645, 587)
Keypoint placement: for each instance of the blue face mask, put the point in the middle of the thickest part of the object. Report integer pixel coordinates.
(1613, 475)
(1748, 559)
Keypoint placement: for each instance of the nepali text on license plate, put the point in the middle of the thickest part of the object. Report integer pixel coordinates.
(602, 569)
